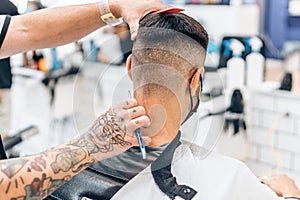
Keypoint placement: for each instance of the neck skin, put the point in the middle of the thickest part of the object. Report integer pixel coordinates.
(165, 116)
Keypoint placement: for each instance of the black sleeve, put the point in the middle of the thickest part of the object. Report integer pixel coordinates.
(4, 29)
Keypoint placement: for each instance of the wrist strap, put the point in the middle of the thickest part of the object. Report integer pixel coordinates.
(291, 198)
(106, 14)
(104, 7)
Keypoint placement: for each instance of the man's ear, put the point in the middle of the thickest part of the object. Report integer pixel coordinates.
(195, 82)
(128, 66)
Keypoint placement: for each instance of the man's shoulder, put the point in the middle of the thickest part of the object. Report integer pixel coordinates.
(206, 155)
(226, 177)
(226, 159)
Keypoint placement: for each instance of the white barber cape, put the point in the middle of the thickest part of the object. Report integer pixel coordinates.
(215, 177)
(2, 19)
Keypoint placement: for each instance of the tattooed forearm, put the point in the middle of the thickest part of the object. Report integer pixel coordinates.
(7, 189)
(83, 166)
(11, 167)
(38, 176)
(67, 160)
(39, 164)
(42, 187)
(35, 177)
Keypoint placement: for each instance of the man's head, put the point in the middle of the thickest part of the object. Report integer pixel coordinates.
(167, 63)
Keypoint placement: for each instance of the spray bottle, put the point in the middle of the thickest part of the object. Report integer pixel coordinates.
(236, 66)
(255, 64)
(236, 2)
(226, 44)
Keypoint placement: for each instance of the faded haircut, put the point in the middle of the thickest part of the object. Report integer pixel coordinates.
(174, 40)
(167, 24)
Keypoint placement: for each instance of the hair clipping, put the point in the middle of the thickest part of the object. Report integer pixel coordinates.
(169, 11)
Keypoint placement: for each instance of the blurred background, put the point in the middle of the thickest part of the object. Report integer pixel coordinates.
(250, 106)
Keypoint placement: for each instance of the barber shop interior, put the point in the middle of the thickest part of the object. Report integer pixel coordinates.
(204, 99)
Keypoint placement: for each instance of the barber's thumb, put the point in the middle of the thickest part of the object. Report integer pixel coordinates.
(134, 26)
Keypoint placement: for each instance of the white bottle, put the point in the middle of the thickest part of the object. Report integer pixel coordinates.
(236, 66)
(179, 2)
(236, 2)
(255, 64)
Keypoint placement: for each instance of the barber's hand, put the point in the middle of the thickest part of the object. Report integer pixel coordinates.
(0, 96)
(282, 185)
(134, 10)
(114, 131)
(129, 116)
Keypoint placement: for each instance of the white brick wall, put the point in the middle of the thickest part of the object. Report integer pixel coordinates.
(260, 136)
(286, 124)
(264, 110)
(287, 105)
(259, 168)
(288, 142)
(297, 126)
(256, 118)
(264, 102)
(296, 165)
(275, 157)
(253, 152)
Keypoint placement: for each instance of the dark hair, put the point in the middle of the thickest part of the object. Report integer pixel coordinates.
(174, 40)
(161, 25)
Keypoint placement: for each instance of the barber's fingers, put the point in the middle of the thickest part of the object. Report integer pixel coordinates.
(134, 26)
(132, 126)
(139, 10)
(264, 180)
(130, 114)
(161, 8)
(136, 112)
(135, 23)
(271, 184)
(130, 103)
(124, 115)
(139, 122)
